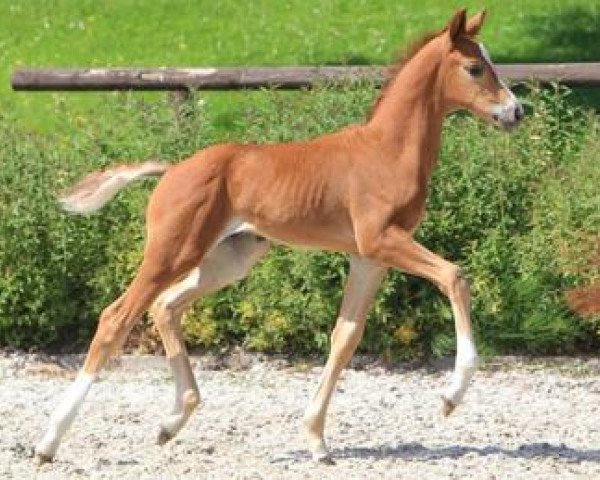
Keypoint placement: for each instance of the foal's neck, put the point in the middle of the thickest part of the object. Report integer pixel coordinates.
(410, 114)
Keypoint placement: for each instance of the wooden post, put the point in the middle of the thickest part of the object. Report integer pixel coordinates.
(233, 78)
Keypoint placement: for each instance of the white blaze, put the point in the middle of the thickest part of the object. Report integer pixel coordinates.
(486, 55)
(506, 112)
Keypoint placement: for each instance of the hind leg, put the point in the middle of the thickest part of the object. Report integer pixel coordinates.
(115, 323)
(178, 238)
(228, 262)
(187, 213)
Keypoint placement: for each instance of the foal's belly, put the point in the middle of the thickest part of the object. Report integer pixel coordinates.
(333, 236)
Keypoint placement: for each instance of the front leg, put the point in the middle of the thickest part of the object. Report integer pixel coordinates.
(362, 284)
(397, 248)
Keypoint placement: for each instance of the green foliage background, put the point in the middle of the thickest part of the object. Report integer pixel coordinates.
(519, 212)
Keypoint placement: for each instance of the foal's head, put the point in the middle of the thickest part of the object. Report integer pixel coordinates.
(468, 77)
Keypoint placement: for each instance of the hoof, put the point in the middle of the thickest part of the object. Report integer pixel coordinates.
(447, 406)
(321, 455)
(42, 458)
(163, 437)
(323, 459)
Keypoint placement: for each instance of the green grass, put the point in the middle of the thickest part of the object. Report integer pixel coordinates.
(229, 32)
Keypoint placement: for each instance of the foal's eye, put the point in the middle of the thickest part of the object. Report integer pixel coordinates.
(475, 70)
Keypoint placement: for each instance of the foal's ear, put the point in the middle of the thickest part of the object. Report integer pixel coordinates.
(475, 23)
(457, 25)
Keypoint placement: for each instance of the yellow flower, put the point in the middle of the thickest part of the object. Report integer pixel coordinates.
(405, 334)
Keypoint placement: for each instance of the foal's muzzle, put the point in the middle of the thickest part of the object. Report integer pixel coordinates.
(509, 115)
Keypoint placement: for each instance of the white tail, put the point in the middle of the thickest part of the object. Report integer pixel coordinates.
(95, 190)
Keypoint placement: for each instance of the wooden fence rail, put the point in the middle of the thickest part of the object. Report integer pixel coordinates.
(233, 78)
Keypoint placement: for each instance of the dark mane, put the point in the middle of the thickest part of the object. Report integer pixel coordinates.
(392, 71)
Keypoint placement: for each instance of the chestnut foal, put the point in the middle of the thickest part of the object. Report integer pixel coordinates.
(361, 191)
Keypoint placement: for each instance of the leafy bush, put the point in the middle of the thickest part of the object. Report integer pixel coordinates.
(516, 211)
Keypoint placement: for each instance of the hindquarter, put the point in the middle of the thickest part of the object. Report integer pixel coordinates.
(189, 208)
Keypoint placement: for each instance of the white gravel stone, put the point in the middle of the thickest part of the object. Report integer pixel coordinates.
(520, 420)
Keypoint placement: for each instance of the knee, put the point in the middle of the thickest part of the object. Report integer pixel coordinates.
(111, 328)
(162, 313)
(454, 281)
(171, 303)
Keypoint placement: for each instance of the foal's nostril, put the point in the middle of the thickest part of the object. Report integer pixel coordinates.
(519, 113)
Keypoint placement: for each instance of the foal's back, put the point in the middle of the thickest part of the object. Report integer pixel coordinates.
(297, 192)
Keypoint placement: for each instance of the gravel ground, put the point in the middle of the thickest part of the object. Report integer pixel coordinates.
(521, 420)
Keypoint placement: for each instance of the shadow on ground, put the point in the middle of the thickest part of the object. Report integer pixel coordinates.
(419, 452)
(416, 451)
